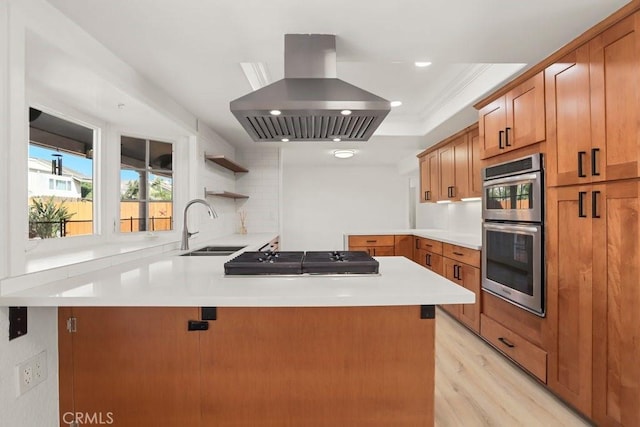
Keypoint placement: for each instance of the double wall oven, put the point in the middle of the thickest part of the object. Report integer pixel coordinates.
(512, 232)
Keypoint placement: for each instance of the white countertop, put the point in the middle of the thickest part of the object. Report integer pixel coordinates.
(173, 280)
(470, 241)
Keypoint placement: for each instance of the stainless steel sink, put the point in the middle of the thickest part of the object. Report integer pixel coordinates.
(215, 251)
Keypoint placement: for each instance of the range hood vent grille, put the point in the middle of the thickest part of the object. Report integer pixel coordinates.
(310, 128)
(310, 98)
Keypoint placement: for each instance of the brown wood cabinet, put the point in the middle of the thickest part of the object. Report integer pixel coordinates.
(462, 266)
(514, 120)
(429, 177)
(451, 169)
(403, 246)
(374, 245)
(454, 164)
(569, 256)
(593, 98)
(594, 265)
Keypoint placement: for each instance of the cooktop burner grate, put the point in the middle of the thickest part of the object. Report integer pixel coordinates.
(312, 262)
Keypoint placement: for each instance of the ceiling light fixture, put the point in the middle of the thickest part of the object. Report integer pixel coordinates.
(345, 112)
(396, 103)
(422, 64)
(343, 154)
(275, 112)
(336, 139)
(285, 140)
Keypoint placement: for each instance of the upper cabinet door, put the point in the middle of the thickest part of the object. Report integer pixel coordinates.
(569, 156)
(525, 114)
(615, 101)
(514, 120)
(446, 163)
(492, 122)
(429, 177)
(461, 154)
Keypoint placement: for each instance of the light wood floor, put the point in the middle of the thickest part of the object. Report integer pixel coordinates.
(476, 386)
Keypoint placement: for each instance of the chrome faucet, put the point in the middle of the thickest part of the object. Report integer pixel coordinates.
(185, 232)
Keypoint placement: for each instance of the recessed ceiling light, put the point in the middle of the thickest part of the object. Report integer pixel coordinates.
(285, 140)
(396, 103)
(275, 112)
(336, 139)
(343, 154)
(422, 64)
(345, 112)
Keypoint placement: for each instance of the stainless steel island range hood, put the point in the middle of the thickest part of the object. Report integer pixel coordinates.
(310, 103)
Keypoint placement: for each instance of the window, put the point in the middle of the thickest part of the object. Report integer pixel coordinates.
(146, 185)
(60, 177)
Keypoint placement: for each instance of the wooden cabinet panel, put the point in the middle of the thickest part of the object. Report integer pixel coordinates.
(434, 246)
(470, 313)
(333, 366)
(568, 120)
(615, 100)
(403, 246)
(462, 254)
(446, 163)
(433, 262)
(449, 269)
(375, 250)
(429, 177)
(492, 121)
(372, 240)
(616, 298)
(514, 120)
(523, 352)
(569, 295)
(138, 363)
(453, 161)
(525, 114)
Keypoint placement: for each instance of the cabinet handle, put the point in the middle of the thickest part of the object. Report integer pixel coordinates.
(594, 204)
(506, 342)
(374, 251)
(500, 146)
(427, 195)
(453, 191)
(581, 195)
(427, 245)
(417, 244)
(427, 260)
(506, 137)
(593, 162)
(371, 241)
(458, 253)
(455, 272)
(581, 173)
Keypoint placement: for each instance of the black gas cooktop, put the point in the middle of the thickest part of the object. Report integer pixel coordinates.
(316, 262)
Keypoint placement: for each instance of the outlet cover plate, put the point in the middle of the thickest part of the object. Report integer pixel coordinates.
(31, 372)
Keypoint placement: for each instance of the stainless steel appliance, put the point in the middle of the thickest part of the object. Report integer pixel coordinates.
(512, 232)
(287, 263)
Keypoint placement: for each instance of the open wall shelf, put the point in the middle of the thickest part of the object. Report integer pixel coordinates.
(227, 194)
(226, 163)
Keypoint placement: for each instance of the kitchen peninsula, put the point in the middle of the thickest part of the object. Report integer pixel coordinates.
(263, 351)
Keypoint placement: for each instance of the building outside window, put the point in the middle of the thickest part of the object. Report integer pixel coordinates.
(60, 177)
(146, 185)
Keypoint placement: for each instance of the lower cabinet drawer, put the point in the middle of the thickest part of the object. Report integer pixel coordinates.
(379, 240)
(527, 355)
(459, 253)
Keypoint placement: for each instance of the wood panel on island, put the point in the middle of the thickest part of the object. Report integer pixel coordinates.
(230, 165)
(254, 366)
(451, 169)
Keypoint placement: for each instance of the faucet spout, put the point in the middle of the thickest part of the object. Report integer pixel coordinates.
(184, 245)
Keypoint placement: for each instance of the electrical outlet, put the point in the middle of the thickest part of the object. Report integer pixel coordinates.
(32, 372)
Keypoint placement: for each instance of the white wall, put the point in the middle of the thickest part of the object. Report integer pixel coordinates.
(461, 217)
(262, 185)
(320, 203)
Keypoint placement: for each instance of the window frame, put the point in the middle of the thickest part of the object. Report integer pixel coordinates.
(147, 170)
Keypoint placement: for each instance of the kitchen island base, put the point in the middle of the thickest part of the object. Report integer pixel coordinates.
(281, 366)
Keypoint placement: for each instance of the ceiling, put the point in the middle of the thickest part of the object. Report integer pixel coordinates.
(193, 49)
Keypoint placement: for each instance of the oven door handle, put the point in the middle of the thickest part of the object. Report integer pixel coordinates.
(500, 227)
(511, 179)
